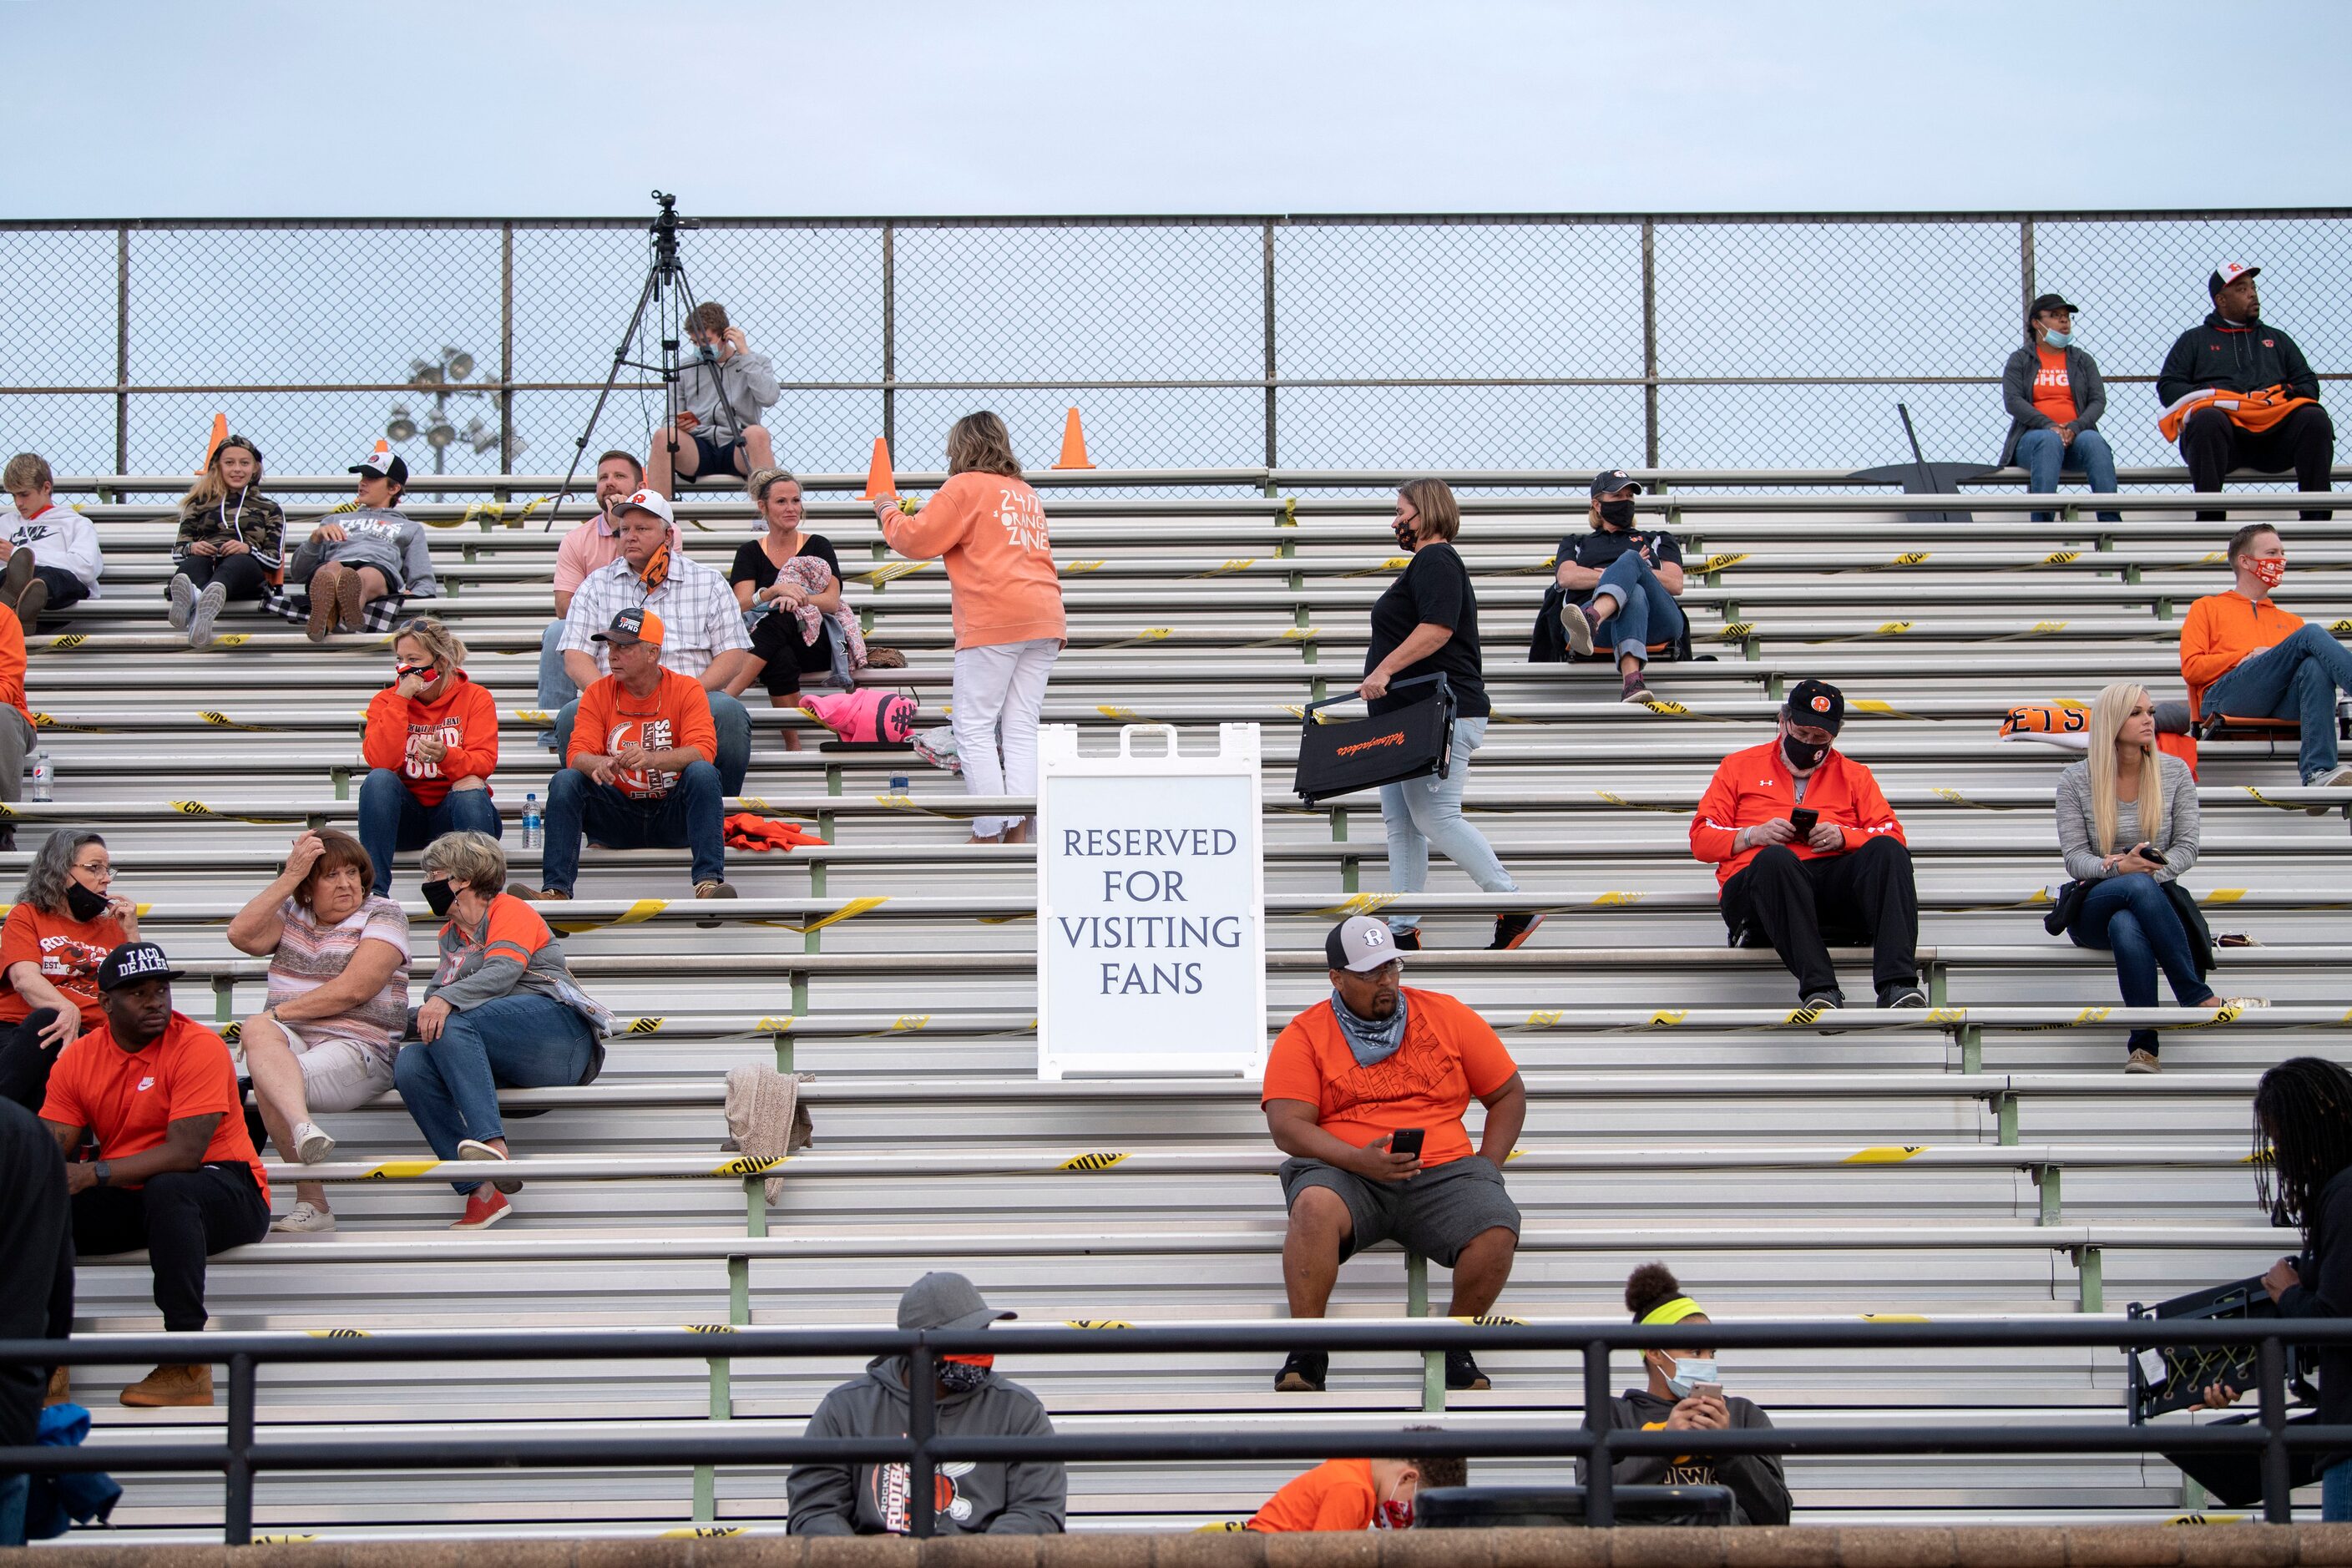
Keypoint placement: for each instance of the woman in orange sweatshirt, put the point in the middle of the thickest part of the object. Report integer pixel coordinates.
(987, 526)
(432, 744)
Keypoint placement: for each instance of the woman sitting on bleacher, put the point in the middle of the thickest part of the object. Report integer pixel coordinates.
(502, 1012)
(231, 540)
(65, 919)
(338, 1000)
(772, 576)
(432, 744)
(2138, 805)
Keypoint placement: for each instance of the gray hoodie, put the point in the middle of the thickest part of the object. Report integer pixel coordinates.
(392, 545)
(726, 397)
(1025, 1499)
(1759, 1487)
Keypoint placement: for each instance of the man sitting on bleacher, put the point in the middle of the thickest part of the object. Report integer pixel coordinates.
(593, 543)
(2238, 394)
(2243, 656)
(705, 639)
(1343, 1079)
(1848, 872)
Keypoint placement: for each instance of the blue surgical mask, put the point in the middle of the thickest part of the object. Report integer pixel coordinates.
(2057, 340)
(1693, 1370)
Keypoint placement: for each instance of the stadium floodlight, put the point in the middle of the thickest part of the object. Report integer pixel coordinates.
(459, 362)
(439, 434)
(424, 374)
(401, 428)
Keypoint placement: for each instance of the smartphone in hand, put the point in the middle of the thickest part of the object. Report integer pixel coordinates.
(1407, 1141)
(1707, 1391)
(1802, 819)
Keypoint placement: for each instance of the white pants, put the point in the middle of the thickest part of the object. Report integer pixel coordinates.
(999, 693)
(337, 1074)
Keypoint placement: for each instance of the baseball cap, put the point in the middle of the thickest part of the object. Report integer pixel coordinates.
(943, 1301)
(1817, 705)
(2052, 303)
(1360, 943)
(2228, 272)
(132, 963)
(1609, 481)
(384, 461)
(633, 625)
(649, 500)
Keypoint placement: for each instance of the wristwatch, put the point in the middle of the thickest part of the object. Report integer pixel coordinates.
(99, 1172)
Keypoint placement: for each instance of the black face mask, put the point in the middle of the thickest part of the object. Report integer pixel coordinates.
(439, 895)
(1404, 535)
(1617, 513)
(1801, 757)
(82, 904)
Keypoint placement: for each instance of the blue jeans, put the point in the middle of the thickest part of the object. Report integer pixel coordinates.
(692, 816)
(451, 1085)
(555, 687)
(2335, 1493)
(392, 819)
(2132, 916)
(727, 717)
(1428, 810)
(2046, 453)
(15, 1489)
(1645, 613)
(2298, 679)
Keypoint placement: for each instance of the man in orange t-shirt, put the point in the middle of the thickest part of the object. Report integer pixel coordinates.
(175, 1172)
(1343, 1081)
(1357, 1494)
(2244, 655)
(642, 773)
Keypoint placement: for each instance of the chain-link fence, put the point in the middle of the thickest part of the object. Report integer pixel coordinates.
(478, 346)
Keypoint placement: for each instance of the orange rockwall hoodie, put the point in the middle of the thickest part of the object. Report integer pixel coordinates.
(463, 718)
(988, 529)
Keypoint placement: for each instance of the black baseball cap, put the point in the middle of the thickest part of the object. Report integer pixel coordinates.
(2052, 303)
(132, 963)
(1609, 481)
(389, 464)
(1817, 705)
(635, 624)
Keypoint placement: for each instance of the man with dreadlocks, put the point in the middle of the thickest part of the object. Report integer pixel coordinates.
(2303, 1161)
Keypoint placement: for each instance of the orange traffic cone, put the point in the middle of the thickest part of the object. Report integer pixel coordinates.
(220, 434)
(1074, 444)
(878, 481)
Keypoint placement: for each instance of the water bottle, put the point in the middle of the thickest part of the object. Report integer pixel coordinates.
(531, 835)
(44, 775)
(898, 783)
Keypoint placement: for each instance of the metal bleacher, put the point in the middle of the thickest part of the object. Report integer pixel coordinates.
(1985, 1156)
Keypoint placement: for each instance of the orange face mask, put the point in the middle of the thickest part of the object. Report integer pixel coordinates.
(2269, 571)
(657, 570)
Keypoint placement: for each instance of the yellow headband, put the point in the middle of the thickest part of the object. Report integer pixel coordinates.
(1667, 1313)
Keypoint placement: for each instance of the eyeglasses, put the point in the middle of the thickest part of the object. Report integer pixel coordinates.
(97, 869)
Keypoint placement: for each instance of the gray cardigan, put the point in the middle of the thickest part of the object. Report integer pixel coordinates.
(2017, 395)
(2175, 837)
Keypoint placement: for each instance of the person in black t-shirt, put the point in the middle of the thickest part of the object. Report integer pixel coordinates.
(782, 649)
(1427, 624)
(1628, 579)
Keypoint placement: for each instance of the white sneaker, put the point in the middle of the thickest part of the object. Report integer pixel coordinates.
(474, 1149)
(311, 1146)
(2339, 778)
(182, 593)
(208, 608)
(305, 1216)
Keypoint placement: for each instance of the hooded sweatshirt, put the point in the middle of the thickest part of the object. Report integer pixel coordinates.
(1758, 1488)
(1027, 1499)
(374, 536)
(2244, 357)
(463, 717)
(2324, 1290)
(1756, 786)
(57, 536)
(253, 520)
(989, 530)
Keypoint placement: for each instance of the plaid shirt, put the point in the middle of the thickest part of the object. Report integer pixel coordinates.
(700, 619)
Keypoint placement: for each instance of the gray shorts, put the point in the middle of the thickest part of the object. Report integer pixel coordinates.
(1435, 1212)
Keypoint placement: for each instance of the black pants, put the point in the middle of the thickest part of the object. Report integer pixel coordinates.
(244, 576)
(64, 588)
(181, 1218)
(776, 639)
(1869, 891)
(24, 1062)
(2305, 441)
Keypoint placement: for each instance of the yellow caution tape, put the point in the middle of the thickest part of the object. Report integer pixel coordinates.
(1956, 798)
(1300, 634)
(1238, 563)
(1661, 705)
(2047, 628)
(233, 639)
(1667, 1017)
(749, 1165)
(1948, 1015)
(637, 913)
(2274, 804)
(1110, 711)
(1719, 562)
(2227, 1013)
(1544, 1020)
(1618, 800)
(908, 1023)
(532, 716)
(2093, 1016)
(849, 911)
(702, 1532)
(1101, 1162)
(282, 1538)
(642, 1027)
(1360, 904)
(1617, 900)
(1494, 1321)
(395, 1170)
(2062, 558)
(708, 1327)
(1080, 568)
(1912, 557)
(2341, 628)
(774, 1026)
(223, 722)
(1894, 628)
(65, 641)
(1155, 634)
(2225, 894)
(896, 802)
(496, 511)
(891, 571)
(1806, 1015)
(1513, 1156)
(1734, 629)
(1878, 706)
(1896, 1317)
(1883, 1154)
(1393, 563)
(337, 1334)
(1096, 1323)
(1289, 512)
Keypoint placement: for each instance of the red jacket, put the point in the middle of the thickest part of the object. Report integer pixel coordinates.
(1755, 786)
(465, 718)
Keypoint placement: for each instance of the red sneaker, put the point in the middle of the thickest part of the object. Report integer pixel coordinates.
(485, 1207)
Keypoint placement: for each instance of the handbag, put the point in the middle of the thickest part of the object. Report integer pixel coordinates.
(1365, 754)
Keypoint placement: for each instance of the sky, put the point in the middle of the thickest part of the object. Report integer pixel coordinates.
(531, 108)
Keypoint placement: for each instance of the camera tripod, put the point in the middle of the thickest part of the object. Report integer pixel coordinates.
(670, 298)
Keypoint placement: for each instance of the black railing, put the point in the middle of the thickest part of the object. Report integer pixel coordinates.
(241, 1454)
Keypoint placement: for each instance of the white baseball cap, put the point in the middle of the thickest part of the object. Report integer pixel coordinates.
(649, 500)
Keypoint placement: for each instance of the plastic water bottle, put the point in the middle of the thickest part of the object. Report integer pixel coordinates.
(898, 783)
(531, 833)
(44, 775)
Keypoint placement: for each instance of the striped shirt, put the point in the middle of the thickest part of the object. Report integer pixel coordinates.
(309, 954)
(700, 619)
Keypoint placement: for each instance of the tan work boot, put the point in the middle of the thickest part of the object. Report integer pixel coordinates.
(60, 1388)
(171, 1385)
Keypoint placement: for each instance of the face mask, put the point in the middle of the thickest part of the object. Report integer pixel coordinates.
(962, 1376)
(2057, 340)
(1617, 513)
(423, 672)
(1697, 1369)
(1404, 535)
(82, 904)
(2270, 573)
(1802, 757)
(439, 895)
(1396, 1513)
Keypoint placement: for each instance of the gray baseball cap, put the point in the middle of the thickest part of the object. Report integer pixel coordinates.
(1360, 943)
(943, 1301)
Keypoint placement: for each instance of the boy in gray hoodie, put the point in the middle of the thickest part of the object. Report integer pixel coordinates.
(969, 1498)
(355, 557)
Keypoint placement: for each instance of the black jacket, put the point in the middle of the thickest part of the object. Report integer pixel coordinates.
(2242, 359)
(36, 1240)
(2326, 1291)
(1758, 1487)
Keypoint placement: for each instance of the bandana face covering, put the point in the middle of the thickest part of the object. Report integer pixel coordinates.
(961, 1374)
(2270, 571)
(657, 570)
(1370, 1040)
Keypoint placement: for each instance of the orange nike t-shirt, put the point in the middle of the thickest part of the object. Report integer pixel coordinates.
(1336, 1494)
(677, 714)
(68, 951)
(1449, 1055)
(129, 1100)
(2053, 392)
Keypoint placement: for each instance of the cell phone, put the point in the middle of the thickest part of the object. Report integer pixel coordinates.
(1802, 819)
(1406, 1140)
(2145, 852)
(1714, 1389)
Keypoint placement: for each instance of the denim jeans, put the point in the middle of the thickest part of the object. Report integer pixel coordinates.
(1427, 811)
(1645, 613)
(727, 716)
(2046, 453)
(2132, 916)
(15, 1490)
(2298, 679)
(692, 816)
(392, 819)
(521, 1040)
(2335, 1493)
(556, 690)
